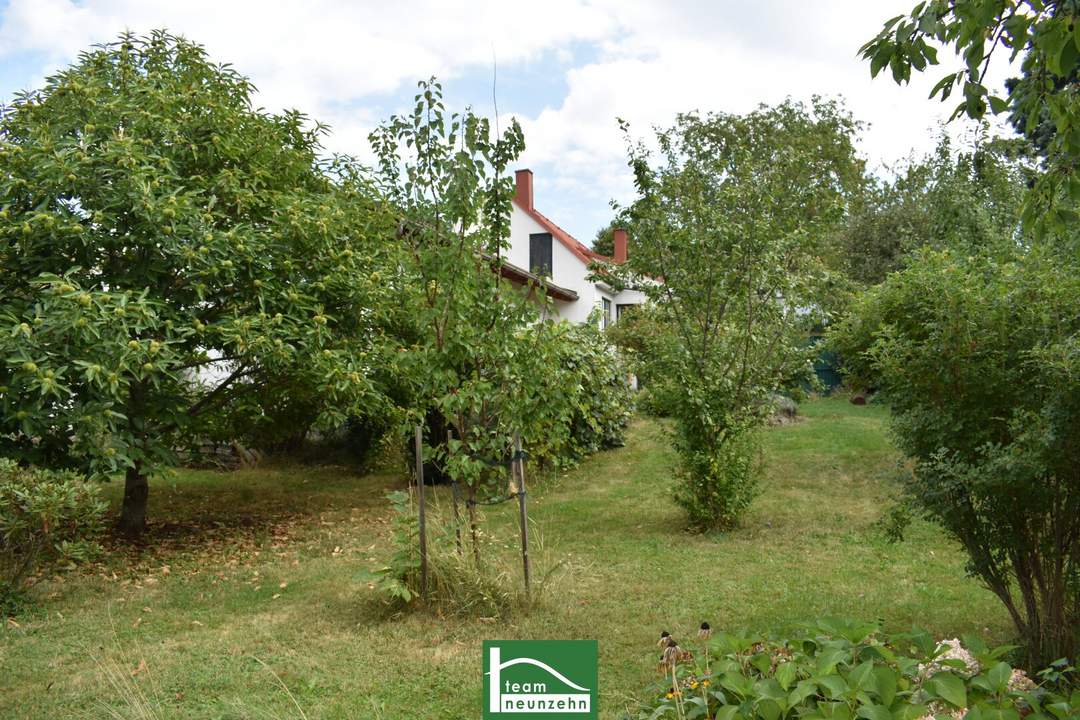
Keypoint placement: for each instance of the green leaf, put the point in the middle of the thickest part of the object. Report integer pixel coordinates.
(910, 712)
(885, 681)
(826, 661)
(699, 708)
(833, 685)
(785, 674)
(770, 689)
(881, 57)
(861, 678)
(874, 712)
(998, 105)
(727, 712)
(999, 677)
(805, 689)
(769, 710)
(835, 710)
(944, 86)
(737, 684)
(950, 688)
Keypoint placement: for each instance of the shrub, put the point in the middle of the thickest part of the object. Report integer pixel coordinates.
(845, 669)
(593, 376)
(458, 583)
(980, 361)
(43, 515)
(718, 477)
(732, 211)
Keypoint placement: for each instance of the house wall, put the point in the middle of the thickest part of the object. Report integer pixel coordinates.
(566, 269)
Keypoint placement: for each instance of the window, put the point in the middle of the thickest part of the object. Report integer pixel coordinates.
(606, 320)
(623, 309)
(540, 254)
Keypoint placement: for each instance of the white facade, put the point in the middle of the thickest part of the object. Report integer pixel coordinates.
(570, 261)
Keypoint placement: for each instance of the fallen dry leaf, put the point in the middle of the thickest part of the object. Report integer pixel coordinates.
(141, 668)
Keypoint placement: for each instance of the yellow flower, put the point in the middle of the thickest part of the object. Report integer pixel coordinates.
(705, 683)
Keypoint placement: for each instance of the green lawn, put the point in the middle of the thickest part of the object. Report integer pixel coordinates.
(258, 569)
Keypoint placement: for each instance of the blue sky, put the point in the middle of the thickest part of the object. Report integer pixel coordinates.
(565, 68)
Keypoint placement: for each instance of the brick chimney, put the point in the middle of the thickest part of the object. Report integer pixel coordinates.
(618, 235)
(523, 192)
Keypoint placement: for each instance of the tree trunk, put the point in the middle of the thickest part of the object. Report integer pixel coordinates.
(133, 512)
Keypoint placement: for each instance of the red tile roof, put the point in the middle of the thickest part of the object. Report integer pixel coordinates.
(575, 246)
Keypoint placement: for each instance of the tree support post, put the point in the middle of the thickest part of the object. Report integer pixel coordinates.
(519, 464)
(423, 518)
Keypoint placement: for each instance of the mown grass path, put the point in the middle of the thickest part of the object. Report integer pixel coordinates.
(263, 564)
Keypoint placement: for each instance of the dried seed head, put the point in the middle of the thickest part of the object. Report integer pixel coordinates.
(704, 631)
(671, 654)
(663, 638)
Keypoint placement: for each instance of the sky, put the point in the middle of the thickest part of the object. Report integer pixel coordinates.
(566, 69)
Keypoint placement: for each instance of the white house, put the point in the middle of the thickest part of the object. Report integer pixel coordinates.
(540, 248)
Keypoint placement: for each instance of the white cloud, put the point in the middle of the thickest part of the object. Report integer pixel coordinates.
(316, 55)
(669, 58)
(649, 60)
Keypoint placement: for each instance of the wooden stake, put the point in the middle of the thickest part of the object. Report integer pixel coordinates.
(519, 463)
(423, 519)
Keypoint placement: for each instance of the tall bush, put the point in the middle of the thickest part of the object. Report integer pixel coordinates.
(979, 357)
(594, 382)
(729, 221)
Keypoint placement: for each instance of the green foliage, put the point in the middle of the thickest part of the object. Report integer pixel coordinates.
(457, 586)
(717, 484)
(962, 200)
(1045, 36)
(640, 335)
(597, 399)
(980, 359)
(837, 668)
(44, 515)
(481, 358)
(732, 218)
(399, 580)
(168, 250)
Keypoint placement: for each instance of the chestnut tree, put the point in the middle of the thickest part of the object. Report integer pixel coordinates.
(167, 250)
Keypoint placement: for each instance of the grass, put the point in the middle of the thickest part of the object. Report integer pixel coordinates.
(248, 604)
